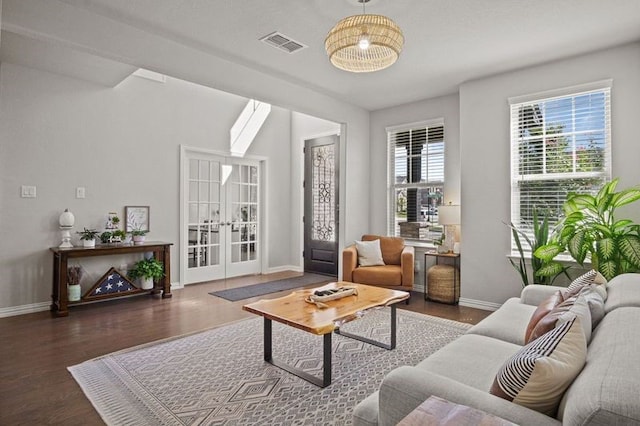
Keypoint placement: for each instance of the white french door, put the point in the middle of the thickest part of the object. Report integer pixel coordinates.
(220, 217)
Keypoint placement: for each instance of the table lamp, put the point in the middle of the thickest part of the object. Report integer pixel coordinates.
(449, 216)
(66, 222)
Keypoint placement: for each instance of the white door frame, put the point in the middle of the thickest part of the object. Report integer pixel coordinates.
(183, 216)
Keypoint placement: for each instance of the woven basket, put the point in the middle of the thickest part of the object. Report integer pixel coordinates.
(440, 279)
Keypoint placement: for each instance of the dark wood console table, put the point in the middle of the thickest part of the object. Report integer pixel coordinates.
(60, 300)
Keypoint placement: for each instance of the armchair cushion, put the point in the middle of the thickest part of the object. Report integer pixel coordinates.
(369, 253)
(387, 275)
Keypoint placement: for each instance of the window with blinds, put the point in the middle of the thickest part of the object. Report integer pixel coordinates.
(415, 179)
(559, 144)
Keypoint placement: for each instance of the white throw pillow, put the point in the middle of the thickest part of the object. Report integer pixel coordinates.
(369, 253)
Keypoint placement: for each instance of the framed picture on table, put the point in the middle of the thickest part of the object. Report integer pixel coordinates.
(136, 218)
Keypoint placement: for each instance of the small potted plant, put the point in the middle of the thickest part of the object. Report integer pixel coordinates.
(138, 236)
(105, 237)
(118, 236)
(74, 273)
(147, 270)
(88, 237)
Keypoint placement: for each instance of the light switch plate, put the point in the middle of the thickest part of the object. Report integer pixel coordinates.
(80, 192)
(27, 191)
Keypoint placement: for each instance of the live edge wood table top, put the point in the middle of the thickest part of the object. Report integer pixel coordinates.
(295, 312)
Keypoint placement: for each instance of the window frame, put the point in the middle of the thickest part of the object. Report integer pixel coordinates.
(602, 86)
(392, 186)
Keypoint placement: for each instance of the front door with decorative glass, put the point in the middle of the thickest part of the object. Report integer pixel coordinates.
(321, 205)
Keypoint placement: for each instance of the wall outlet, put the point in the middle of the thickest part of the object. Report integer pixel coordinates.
(80, 192)
(27, 191)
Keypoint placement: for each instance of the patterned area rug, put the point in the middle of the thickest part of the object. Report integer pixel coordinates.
(218, 377)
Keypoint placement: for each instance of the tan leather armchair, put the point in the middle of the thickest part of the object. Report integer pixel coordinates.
(396, 273)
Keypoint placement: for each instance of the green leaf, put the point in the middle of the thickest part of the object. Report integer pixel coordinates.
(621, 224)
(606, 189)
(548, 252)
(605, 231)
(550, 269)
(575, 246)
(608, 269)
(627, 196)
(574, 217)
(604, 204)
(630, 248)
(582, 201)
(606, 248)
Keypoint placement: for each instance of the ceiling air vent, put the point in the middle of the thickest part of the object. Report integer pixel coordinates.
(282, 42)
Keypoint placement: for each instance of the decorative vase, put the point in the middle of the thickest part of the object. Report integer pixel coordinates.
(138, 239)
(89, 243)
(73, 292)
(146, 283)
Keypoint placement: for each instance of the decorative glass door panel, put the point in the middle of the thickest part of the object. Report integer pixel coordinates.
(323, 190)
(321, 205)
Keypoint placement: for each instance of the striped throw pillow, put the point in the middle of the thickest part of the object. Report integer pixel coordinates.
(538, 374)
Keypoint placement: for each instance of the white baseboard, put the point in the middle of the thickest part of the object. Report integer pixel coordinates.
(284, 268)
(479, 304)
(45, 306)
(24, 309)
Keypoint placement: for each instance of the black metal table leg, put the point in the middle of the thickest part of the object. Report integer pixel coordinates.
(390, 346)
(326, 357)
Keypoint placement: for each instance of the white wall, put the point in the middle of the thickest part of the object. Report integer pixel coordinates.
(122, 144)
(303, 127)
(76, 28)
(484, 150)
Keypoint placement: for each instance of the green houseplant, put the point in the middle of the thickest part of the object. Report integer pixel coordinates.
(539, 237)
(88, 237)
(138, 235)
(105, 237)
(589, 229)
(147, 270)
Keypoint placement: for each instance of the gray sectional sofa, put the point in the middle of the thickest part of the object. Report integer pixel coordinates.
(606, 392)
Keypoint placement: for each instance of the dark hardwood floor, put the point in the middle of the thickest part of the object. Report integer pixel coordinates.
(35, 349)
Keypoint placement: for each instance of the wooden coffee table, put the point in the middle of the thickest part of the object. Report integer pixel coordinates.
(292, 310)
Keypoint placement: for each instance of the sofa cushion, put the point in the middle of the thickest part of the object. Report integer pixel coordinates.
(541, 311)
(471, 359)
(508, 323)
(369, 253)
(391, 248)
(538, 374)
(606, 391)
(389, 275)
(623, 290)
(576, 305)
(591, 278)
(595, 303)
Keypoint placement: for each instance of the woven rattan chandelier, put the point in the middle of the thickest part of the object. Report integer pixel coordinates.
(364, 43)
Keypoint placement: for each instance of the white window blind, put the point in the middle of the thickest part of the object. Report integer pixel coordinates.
(559, 145)
(415, 178)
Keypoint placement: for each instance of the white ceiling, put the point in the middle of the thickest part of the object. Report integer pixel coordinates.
(447, 42)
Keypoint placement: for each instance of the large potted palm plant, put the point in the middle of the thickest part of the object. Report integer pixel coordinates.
(591, 231)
